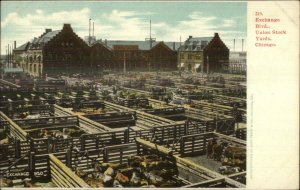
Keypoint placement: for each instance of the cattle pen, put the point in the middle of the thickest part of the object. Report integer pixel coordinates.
(164, 131)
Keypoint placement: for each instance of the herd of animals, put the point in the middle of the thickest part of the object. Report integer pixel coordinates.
(138, 171)
(65, 133)
(233, 158)
(5, 182)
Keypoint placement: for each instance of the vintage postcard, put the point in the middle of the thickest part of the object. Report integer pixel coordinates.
(149, 94)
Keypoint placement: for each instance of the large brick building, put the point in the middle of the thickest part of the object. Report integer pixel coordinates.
(141, 55)
(62, 51)
(206, 54)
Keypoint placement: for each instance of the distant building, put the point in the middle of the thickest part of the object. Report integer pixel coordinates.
(237, 61)
(203, 54)
(141, 55)
(62, 51)
(19, 54)
(54, 52)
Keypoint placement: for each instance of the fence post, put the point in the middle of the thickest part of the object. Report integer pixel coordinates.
(31, 141)
(138, 147)
(105, 155)
(97, 142)
(121, 156)
(186, 127)
(18, 148)
(204, 143)
(31, 164)
(182, 146)
(126, 136)
(69, 157)
(82, 141)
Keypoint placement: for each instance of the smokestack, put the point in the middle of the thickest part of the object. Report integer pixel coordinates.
(15, 44)
(174, 46)
(90, 32)
(8, 55)
(242, 44)
(150, 36)
(180, 40)
(233, 44)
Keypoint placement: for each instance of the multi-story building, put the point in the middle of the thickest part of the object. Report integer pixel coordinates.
(237, 61)
(54, 52)
(141, 55)
(62, 51)
(205, 54)
(19, 54)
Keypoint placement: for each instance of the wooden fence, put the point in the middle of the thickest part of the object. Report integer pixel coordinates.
(62, 176)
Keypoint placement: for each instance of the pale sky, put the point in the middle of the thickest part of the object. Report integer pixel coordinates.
(22, 21)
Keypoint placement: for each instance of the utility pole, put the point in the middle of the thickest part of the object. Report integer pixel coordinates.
(90, 32)
(124, 63)
(6, 56)
(150, 36)
(242, 44)
(233, 44)
(207, 66)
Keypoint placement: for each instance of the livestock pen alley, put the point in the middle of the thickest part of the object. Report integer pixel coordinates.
(124, 130)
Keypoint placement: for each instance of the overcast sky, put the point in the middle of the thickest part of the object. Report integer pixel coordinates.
(22, 21)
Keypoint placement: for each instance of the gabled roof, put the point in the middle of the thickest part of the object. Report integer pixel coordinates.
(97, 43)
(23, 47)
(48, 36)
(216, 41)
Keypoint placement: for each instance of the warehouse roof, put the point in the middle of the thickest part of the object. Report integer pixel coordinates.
(22, 47)
(142, 45)
(195, 43)
(48, 36)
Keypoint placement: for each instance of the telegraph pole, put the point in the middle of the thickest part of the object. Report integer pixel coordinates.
(124, 69)
(90, 32)
(242, 44)
(207, 66)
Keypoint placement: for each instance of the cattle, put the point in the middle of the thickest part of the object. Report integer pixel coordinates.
(30, 184)
(6, 182)
(122, 179)
(33, 116)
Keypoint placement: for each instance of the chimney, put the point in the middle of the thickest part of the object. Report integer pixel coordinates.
(174, 46)
(67, 26)
(216, 35)
(48, 30)
(233, 44)
(93, 29)
(15, 44)
(90, 32)
(190, 37)
(242, 44)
